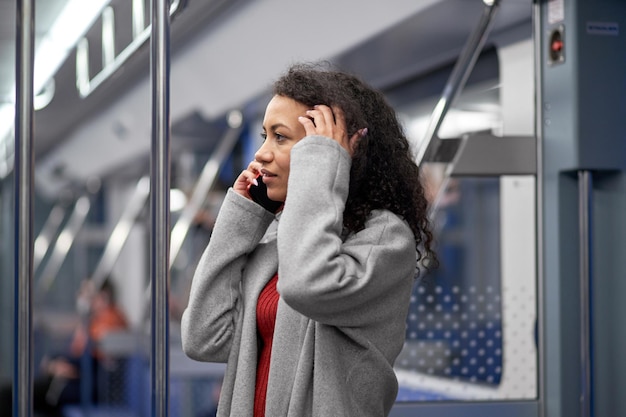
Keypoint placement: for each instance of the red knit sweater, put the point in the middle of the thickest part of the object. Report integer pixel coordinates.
(266, 308)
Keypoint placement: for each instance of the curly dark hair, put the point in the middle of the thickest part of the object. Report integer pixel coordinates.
(383, 173)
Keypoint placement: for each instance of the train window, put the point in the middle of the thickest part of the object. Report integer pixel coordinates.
(471, 330)
(455, 322)
(457, 345)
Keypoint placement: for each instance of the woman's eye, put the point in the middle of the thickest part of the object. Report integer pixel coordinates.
(274, 135)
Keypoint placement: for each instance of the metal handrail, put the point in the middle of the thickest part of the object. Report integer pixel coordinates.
(460, 73)
(441, 191)
(64, 242)
(47, 233)
(24, 157)
(120, 232)
(205, 182)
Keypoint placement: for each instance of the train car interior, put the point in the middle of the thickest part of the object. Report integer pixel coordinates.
(515, 114)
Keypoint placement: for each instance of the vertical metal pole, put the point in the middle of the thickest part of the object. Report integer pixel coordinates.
(24, 157)
(584, 215)
(541, 291)
(159, 206)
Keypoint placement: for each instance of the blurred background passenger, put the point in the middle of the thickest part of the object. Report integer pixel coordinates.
(61, 376)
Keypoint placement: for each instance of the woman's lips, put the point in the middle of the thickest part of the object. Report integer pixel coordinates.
(268, 177)
(267, 173)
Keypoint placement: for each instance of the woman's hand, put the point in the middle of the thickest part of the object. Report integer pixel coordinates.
(330, 122)
(246, 178)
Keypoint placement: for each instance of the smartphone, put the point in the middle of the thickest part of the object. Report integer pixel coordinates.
(259, 195)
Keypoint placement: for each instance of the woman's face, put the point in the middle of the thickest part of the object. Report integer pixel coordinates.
(281, 130)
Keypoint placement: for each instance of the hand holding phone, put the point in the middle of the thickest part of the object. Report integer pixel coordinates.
(258, 193)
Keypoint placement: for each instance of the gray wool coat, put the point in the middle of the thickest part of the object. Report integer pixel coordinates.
(343, 304)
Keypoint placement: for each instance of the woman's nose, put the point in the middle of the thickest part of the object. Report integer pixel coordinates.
(263, 154)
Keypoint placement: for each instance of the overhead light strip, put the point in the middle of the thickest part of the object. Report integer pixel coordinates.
(87, 84)
(73, 22)
(70, 26)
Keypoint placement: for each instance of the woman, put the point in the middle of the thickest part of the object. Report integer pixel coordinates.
(308, 307)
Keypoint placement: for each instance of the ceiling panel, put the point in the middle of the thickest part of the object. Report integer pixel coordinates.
(224, 52)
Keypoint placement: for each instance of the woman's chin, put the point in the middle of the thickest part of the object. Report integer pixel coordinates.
(276, 196)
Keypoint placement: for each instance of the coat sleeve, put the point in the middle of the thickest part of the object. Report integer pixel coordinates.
(208, 322)
(340, 283)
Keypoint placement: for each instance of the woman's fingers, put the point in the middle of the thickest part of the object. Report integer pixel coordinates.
(331, 122)
(246, 178)
(309, 126)
(342, 137)
(326, 121)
